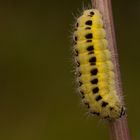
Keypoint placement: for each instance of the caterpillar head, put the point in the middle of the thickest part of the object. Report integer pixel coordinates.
(123, 111)
(91, 12)
(117, 112)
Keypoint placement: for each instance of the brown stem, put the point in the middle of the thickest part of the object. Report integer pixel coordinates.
(118, 128)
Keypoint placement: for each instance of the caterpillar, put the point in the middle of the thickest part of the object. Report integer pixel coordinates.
(94, 68)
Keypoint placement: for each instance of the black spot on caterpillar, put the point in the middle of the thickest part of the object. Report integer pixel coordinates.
(89, 36)
(89, 22)
(95, 90)
(90, 48)
(94, 81)
(98, 98)
(92, 59)
(89, 40)
(87, 28)
(104, 104)
(94, 71)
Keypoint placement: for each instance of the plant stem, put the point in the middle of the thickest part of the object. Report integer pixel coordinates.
(118, 128)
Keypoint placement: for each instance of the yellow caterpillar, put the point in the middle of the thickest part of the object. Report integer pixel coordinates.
(94, 67)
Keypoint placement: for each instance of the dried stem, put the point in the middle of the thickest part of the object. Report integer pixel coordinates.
(118, 128)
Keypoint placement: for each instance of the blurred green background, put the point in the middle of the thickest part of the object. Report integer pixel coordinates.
(37, 96)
